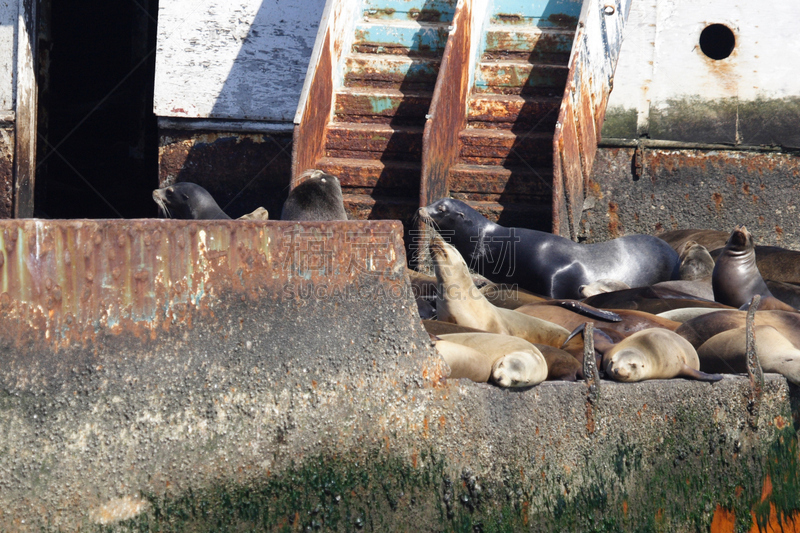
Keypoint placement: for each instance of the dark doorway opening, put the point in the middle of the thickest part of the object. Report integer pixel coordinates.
(97, 151)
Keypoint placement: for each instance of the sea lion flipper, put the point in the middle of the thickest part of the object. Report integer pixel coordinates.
(691, 373)
(587, 310)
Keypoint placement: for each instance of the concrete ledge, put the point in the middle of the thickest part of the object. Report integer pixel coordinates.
(215, 397)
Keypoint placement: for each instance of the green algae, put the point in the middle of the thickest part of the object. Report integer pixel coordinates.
(677, 488)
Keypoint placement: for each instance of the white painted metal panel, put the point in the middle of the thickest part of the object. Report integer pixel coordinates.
(241, 60)
(9, 12)
(662, 70)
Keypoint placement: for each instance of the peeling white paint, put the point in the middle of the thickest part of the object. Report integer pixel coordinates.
(242, 60)
(661, 58)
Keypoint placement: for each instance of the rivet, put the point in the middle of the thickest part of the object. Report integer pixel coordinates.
(608, 9)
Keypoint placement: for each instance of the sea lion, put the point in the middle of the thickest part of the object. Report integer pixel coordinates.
(627, 321)
(685, 314)
(727, 352)
(696, 262)
(709, 238)
(652, 299)
(602, 286)
(509, 297)
(654, 354)
(459, 301)
(736, 278)
(259, 214)
(188, 201)
(561, 365)
(788, 293)
(317, 197)
(698, 330)
(508, 361)
(544, 263)
(774, 263)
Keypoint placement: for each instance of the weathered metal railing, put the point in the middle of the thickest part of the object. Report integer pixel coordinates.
(448, 112)
(314, 111)
(591, 76)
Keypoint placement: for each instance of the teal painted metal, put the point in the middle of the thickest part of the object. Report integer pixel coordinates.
(415, 36)
(543, 13)
(430, 10)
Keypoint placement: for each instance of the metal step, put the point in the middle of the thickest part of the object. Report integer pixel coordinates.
(520, 77)
(417, 10)
(391, 71)
(496, 147)
(374, 141)
(374, 175)
(520, 113)
(525, 215)
(364, 206)
(531, 43)
(495, 183)
(405, 37)
(381, 105)
(542, 13)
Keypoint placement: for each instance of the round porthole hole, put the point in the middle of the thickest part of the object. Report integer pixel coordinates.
(717, 41)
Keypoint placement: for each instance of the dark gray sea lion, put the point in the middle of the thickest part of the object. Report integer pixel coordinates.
(736, 278)
(318, 197)
(188, 201)
(547, 264)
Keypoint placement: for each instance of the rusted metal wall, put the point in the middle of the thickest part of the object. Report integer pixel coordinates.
(657, 188)
(6, 170)
(448, 112)
(314, 111)
(242, 171)
(26, 110)
(594, 57)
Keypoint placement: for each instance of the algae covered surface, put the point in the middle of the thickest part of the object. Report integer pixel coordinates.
(675, 486)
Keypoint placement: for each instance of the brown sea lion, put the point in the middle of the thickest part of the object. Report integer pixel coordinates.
(460, 302)
(654, 354)
(506, 360)
(736, 278)
(696, 262)
(727, 352)
(699, 330)
(709, 238)
(774, 263)
(631, 320)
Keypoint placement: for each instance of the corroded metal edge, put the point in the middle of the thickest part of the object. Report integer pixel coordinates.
(591, 74)
(73, 281)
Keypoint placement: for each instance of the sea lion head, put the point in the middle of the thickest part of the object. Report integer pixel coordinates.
(186, 201)
(696, 261)
(626, 364)
(519, 369)
(740, 240)
(451, 215)
(318, 197)
(448, 263)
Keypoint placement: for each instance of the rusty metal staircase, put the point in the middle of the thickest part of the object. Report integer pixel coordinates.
(504, 168)
(495, 102)
(373, 140)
